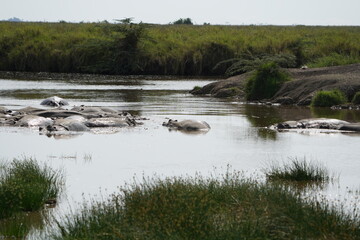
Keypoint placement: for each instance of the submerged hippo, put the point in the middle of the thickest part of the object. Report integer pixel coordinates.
(319, 123)
(187, 125)
(54, 102)
(67, 124)
(33, 121)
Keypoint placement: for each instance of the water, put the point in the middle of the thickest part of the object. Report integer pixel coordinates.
(96, 164)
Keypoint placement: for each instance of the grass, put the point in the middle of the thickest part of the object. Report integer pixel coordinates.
(168, 49)
(328, 98)
(298, 171)
(219, 207)
(26, 186)
(356, 99)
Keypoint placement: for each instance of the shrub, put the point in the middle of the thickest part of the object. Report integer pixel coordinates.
(356, 98)
(265, 82)
(328, 98)
(26, 186)
(298, 171)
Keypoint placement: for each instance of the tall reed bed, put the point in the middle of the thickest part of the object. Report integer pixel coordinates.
(166, 49)
(221, 207)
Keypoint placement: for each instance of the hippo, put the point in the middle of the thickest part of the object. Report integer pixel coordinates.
(316, 123)
(54, 102)
(85, 109)
(57, 113)
(67, 124)
(4, 110)
(187, 125)
(319, 123)
(33, 121)
(110, 122)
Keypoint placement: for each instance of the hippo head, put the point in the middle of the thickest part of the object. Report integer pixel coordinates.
(54, 102)
(170, 123)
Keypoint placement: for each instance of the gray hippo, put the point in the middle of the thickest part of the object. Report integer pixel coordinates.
(54, 102)
(187, 125)
(33, 121)
(110, 122)
(67, 124)
(319, 123)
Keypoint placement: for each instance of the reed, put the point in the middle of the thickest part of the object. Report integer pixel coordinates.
(26, 186)
(220, 207)
(298, 171)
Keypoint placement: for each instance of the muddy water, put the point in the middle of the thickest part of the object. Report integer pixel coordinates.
(96, 164)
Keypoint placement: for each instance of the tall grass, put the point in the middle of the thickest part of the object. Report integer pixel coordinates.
(166, 49)
(26, 186)
(298, 171)
(226, 207)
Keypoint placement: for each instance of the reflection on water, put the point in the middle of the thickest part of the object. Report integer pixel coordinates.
(238, 135)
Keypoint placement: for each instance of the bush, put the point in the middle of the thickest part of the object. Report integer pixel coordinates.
(328, 98)
(356, 98)
(265, 82)
(187, 21)
(25, 186)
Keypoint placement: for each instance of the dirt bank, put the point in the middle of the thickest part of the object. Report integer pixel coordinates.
(305, 83)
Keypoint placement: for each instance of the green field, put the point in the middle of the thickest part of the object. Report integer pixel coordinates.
(167, 49)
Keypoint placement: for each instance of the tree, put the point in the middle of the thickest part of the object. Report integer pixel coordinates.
(187, 21)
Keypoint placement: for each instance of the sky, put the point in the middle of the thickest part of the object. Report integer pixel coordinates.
(234, 12)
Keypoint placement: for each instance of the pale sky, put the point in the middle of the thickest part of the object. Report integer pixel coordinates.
(235, 12)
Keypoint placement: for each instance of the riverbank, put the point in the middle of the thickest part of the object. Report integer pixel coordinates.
(301, 89)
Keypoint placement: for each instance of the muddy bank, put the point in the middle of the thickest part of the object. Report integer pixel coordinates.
(300, 90)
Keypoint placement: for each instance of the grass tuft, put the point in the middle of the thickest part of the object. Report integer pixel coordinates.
(298, 171)
(26, 186)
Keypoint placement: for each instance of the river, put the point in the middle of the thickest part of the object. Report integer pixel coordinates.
(96, 164)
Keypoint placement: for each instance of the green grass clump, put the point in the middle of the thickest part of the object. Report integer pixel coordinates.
(328, 98)
(356, 98)
(298, 171)
(265, 82)
(26, 186)
(226, 207)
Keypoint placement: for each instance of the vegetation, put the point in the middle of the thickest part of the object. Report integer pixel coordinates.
(26, 186)
(265, 82)
(356, 98)
(226, 207)
(174, 49)
(298, 171)
(328, 98)
(184, 21)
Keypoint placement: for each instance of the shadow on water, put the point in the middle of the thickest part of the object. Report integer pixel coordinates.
(347, 115)
(21, 225)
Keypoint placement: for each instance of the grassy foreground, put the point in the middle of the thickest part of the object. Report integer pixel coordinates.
(167, 49)
(225, 207)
